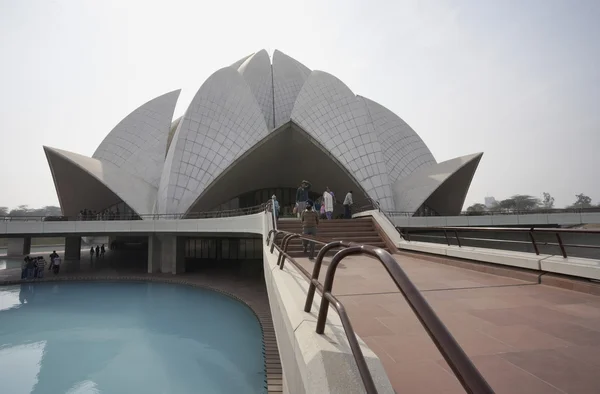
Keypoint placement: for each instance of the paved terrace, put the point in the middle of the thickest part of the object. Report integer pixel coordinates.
(524, 337)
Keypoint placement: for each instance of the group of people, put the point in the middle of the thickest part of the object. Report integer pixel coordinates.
(33, 267)
(310, 213)
(98, 250)
(324, 205)
(106, 214)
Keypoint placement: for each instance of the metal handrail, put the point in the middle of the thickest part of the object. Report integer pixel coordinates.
(536, 243)
(148, 216)
(536, 211)
(461, 365)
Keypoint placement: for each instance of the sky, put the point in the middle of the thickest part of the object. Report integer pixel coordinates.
(517, 80)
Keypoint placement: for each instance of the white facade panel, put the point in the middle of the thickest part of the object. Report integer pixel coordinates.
(134, 191)
(404, 151)
(256, 70)
(222, 122)
(329, 111)
(289, 76)
(138, 143)
(411, 191)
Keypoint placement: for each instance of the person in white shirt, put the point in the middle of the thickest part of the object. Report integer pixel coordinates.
(348, 205)
(328, 203)
(56, 265)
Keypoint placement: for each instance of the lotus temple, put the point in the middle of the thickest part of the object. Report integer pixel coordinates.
(256, 128)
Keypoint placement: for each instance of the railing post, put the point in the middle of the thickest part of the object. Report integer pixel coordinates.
(447, 239)
(328, 285)
(283, 243)
(457, 239)
(310, 296)
(284, 249)
(535, 247)
(562, 247)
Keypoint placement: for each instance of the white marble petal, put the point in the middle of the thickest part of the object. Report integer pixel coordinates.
(222, 122)
(134, 191)
(413, 190)
(288, 77)
(329, 111)
(404, 151)
(138, 143)
(257, 72)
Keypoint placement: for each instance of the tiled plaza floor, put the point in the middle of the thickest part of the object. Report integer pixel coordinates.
(523, 337)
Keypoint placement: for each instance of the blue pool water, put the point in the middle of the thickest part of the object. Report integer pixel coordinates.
(126, 337)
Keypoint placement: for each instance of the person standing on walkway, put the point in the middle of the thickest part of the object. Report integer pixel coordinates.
(102, 251)
(310, 222)
(302, 197)
(328, 203)
(275, 206)
(348, 205)
(92, 252)
(97, 251)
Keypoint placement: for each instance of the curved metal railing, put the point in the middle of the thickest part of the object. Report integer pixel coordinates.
(149, 216)
(461, 365)
(429, 232)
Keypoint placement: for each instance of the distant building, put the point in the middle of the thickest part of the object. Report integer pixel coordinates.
(490, 202)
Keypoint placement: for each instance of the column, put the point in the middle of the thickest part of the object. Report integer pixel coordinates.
(172, 252)
(179, 264)
(154, 254)
(18, 247)
(72, 249)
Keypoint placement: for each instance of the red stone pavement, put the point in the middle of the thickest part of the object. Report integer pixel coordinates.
(524, 337)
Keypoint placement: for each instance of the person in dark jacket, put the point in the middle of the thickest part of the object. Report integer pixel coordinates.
(302, 197)
(97, 251)
(310, 222)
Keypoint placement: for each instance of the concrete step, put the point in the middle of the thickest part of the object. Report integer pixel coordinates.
(350, 238)
(300, 253)
(298, 226)
(297, 247)
(337, 234)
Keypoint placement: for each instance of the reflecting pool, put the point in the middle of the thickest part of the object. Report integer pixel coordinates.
(126, 337)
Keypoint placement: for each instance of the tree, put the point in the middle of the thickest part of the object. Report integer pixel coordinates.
(476, 208)
(548, 201)
(3, 211)
(582, 201)
(518, 202)
(24, 210)
(524, 202)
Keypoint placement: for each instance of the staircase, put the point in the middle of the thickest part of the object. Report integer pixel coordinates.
(361, 231)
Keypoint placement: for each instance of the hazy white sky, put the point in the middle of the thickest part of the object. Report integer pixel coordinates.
(518, 80)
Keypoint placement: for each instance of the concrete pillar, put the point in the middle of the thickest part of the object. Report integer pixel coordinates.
(154, 254)
(72, 248)
(172, 252)
(179, 267)
(18, 247)
(111, 239)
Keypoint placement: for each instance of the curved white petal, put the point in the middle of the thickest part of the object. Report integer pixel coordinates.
(329, 111)
(237, 64)
(257, 72)
(76, 178)
(138, 143)
(222, 122)
(404, 151)
(444, 186)
(289, 76)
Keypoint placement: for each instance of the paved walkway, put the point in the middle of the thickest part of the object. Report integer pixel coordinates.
(523, 337)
